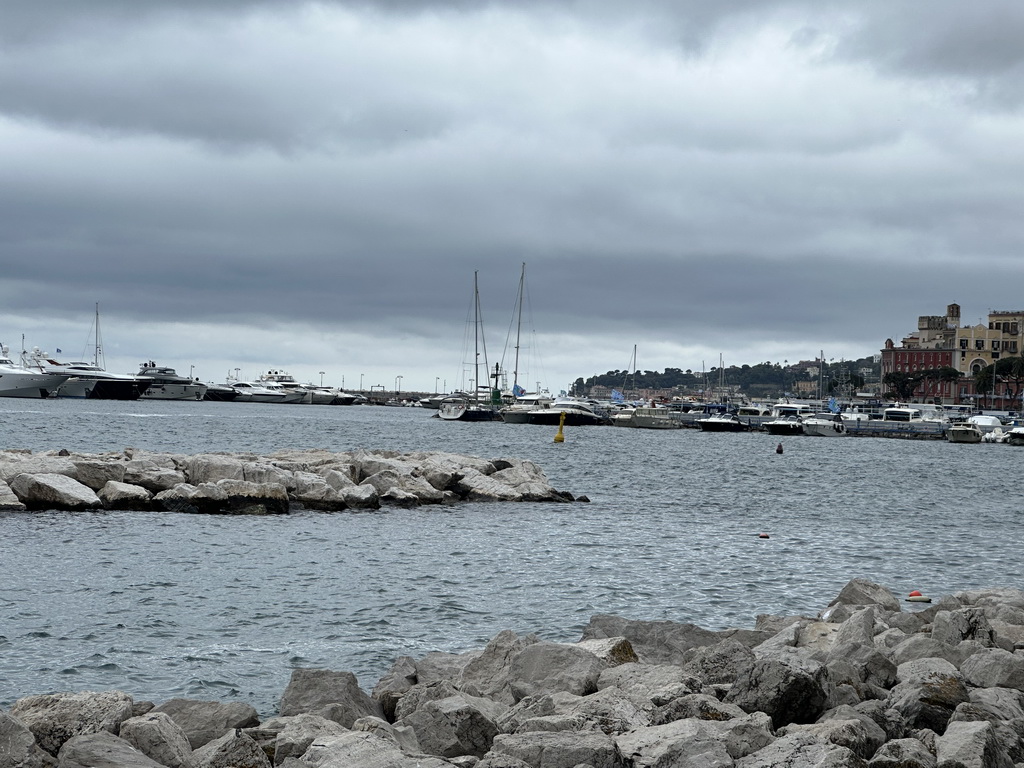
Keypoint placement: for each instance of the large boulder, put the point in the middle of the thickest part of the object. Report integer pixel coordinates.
(204, 721)
(212, 468)
(654, 642)
(235, 749)
(365, 749)
(96, 473)
(953, 627)
(488, 674)
(561, 749)
(864, 592)
(994, 668)
(801, 749)
(13, 464)
(158, 737)
(289, 737)
(927, 692)
(154, 476)
(102, 750)
(903, 753)
(650, 685)
(334, 695)
(117, 495)
(785, 693)
(720, 663)
(9, 501)
(54, 491)
(57, 717)
(456, 725)
(552, 667)
(18, 747)
(971, 744)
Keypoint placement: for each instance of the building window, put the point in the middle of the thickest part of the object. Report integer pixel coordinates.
(995, 344)
(995, 355)
(1013, 346)
(963, 343)
(979, 343)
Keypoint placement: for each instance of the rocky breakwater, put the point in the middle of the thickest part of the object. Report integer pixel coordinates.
(862, 683)
(245, 483)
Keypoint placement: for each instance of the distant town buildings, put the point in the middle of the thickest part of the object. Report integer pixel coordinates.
(942, 342)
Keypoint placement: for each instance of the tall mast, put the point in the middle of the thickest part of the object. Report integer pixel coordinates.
(97, 352)
(476, 340)
(519, 327)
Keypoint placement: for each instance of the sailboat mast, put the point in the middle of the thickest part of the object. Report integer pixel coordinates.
(476, 340)
(97, 352)
(519, 327)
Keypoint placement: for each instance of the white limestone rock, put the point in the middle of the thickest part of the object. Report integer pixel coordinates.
(54, 491)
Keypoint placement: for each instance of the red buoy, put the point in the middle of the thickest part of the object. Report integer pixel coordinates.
(915, 593)
(778, 448)
(763, 536)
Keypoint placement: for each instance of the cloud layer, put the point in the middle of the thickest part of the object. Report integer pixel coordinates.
(312, 185)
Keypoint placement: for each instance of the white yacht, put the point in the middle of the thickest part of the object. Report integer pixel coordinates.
(253, 392)
(787, 418)
(166, 384)
(275, 379)
(16, 381)
(519, 411)
(89, 380)
(825, 424)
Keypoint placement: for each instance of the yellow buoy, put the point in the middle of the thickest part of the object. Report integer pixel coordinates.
(560, 438)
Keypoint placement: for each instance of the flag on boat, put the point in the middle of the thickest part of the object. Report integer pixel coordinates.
(833, 405)
(518, 391)
(617, 396)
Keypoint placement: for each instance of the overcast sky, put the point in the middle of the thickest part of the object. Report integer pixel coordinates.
(311, 185)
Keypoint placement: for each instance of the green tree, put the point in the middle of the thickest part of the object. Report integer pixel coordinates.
(901, 385)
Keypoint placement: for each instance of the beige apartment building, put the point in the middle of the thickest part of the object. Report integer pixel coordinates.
(941, 341)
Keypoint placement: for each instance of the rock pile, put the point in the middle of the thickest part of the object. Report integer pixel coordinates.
(245, 483)
(861, 684)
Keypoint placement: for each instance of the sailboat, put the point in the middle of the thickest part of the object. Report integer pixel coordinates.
(469, 406)
(518, 412)
(90, 380)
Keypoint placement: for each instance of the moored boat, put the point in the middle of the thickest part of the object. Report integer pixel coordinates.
(89, 380)
(722, 422)
(166, 384)
(578, 413)
(17, 381)
(824, 425)
(964, 432)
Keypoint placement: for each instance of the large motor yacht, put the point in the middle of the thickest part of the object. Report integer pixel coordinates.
(166, 384)
(89, 380)
(17, 381)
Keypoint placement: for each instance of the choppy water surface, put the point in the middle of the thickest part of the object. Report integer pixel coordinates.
(163, 605)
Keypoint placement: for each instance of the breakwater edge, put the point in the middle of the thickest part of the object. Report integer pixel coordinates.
(225, 607)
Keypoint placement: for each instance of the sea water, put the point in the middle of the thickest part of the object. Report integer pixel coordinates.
(222, 607)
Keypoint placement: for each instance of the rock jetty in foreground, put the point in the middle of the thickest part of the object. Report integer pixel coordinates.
(249, 483)
(862, 684)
